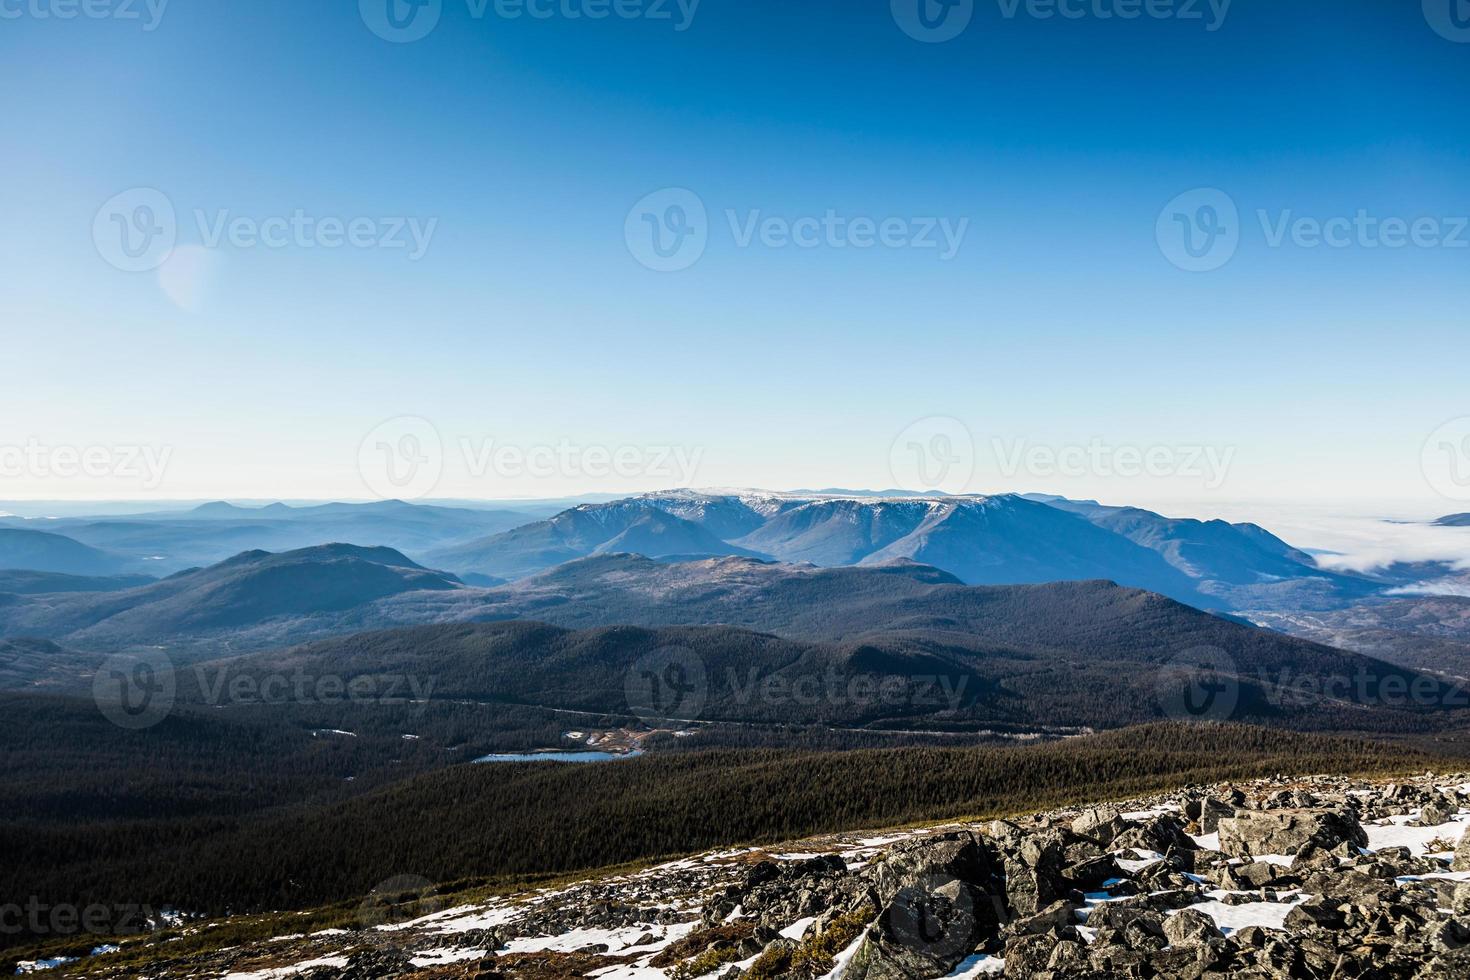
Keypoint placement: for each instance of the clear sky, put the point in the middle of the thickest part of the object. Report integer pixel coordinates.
(1057, 330)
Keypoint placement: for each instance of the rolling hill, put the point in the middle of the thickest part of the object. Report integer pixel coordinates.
(1041, 657)
(250, 600)
(42, 551)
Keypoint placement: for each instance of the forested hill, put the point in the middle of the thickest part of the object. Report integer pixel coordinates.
(1065, 672)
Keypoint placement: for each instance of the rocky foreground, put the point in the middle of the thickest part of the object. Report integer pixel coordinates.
(1316, 877)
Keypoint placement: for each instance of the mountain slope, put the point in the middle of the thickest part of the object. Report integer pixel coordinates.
(1044, 665)
(41, 551)
(1003, 540)
(245, 600)
(1234, 566)
(630, 526)
(21, 582)
(901, 600)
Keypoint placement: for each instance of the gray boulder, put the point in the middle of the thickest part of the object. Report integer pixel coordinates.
(1100, 824)
(1432, 815)
(954, 855)
(1462, 854)
(1253, 833)
(925, 931)
(1028, 956)
(1053, 920)
(1033, 875)
(1190, 928)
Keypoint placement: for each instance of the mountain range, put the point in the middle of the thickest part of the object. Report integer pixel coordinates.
(1001, 539)
(789, 563)
(1004, 539)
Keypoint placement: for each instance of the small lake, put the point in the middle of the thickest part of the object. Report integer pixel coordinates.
(558, 757)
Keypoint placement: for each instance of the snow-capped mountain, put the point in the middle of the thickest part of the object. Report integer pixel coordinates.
(1001, 539)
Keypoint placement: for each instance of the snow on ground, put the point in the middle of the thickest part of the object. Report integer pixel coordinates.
(439, 957)
(1144, 859)
(880, 841)
(279, 972)
(1157, 811)
(798, 928)
(33, 966)
(461, 918)
(1397, 833)
(840, 961)
(1416, 839)
(617, 941)
(978, 965)
(1229, 918)
(630, 971)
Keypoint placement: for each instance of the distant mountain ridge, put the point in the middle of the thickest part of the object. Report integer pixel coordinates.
(1002, 539)
(999, 539)
(170, 541)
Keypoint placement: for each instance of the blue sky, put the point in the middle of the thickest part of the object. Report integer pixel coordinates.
(1058, 326)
